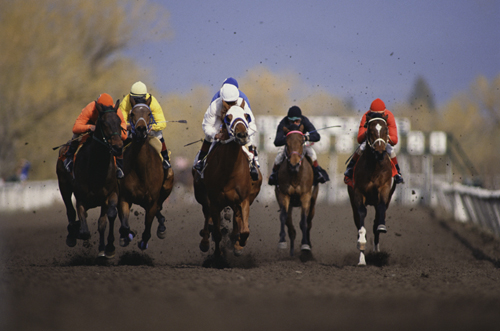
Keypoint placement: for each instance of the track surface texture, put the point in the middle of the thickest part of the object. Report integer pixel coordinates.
(432, 274)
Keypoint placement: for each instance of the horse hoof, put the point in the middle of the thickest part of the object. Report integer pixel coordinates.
(101, 254)
(110, 255)
(204, 248)
(70, 241)
(362, 261)
(305, 247)
(143, 245)
(238, 252)
(282, 245)
(161, 234)
(381, 228)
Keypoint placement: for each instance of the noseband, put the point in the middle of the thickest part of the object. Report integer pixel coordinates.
(148, 122)
(288, 154)
(379, 139)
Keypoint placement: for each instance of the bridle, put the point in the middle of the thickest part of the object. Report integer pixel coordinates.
(148, 122)
(288, 154)
(104, 139)
(379, 139)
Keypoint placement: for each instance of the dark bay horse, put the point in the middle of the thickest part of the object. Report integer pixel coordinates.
(226, 182)
(295, 189)
(146, 183)
(373, 182)
(94, 183)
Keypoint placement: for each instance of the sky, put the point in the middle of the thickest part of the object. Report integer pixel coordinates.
(355, 50)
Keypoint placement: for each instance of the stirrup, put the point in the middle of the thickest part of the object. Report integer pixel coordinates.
(199, 165)
(68, 162)
(166, 164)
(399, 179)
(119, 173)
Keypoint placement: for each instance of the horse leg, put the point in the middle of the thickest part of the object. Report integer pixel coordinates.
(146, 235)
(101, 226)
(243, 228)
(361, 214)
(161, 232)
(216, 233)
(305, 225)
(112, 212)
(73, 226)
(207, 229)
(84, 232)
(379, 225)
(126, 235)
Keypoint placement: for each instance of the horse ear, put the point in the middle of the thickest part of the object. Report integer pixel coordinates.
(117, 104)
(286, 130)
(386, 117)
(148, 101)
(98, 107)
(132, 101)
(301, 128)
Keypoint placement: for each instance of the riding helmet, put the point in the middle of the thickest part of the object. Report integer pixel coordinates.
(105, 100)
(377, 105)
(229, 93)
(294, 111)
(139, 89)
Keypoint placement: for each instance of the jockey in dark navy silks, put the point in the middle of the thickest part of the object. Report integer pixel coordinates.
(311, 135)
(231, 81)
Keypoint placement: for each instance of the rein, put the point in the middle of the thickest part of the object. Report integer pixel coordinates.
(104, 140)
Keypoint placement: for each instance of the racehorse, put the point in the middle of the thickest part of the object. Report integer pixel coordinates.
(226, 182)
(373, 182)
(93, 181)
(295, 189)
(145, 183)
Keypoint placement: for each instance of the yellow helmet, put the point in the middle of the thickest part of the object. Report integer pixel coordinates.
(138, 89)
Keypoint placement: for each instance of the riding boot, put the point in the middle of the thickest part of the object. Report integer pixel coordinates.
(166, 160)
(320, 176)
(254, 173)
(119, 167)
(350, 167)
(200, 164)
(398, 178)
(273, 179)
(70, 153)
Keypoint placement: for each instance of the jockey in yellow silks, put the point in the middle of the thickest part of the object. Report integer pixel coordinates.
(140, 94)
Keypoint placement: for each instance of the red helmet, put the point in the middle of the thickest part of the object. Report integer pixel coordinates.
(377, 105)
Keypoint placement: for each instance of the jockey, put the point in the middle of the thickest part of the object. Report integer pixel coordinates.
(212, 123)
(139, 93)
(295, 116)
(377, 106)
(86, 123)
(232, 81)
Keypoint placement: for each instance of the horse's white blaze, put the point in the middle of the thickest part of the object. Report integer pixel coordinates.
(378, 127)
(362, 239)
(282, 245)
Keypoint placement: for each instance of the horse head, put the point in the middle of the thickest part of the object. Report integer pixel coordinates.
(377, 133)
(140, 119)
(108, 128)
(236, 121)
(294, 151)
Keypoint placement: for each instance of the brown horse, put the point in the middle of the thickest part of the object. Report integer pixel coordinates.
(373, 183)
(295, 189)
(226, 182)
(94, 183)
(146, 183)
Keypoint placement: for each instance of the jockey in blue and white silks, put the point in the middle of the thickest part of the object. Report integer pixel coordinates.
(213, 121)
(231, 81)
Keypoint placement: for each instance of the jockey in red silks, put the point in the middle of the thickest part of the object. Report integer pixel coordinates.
(212, 123)
(377, 106)
(86, 122)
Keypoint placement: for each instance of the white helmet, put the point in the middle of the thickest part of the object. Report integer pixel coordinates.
(229, 93)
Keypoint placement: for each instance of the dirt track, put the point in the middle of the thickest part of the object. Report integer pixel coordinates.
(435, 275)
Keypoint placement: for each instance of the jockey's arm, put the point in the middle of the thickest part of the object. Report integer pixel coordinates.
(210, 124)
(158, 115)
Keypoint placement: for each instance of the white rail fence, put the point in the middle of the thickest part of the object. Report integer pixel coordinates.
(464, 203)
(470, 204)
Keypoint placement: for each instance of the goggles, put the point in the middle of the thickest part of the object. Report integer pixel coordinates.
(293, 119)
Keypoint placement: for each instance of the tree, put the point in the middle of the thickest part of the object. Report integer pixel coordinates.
(422, 96)
(57, 56)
